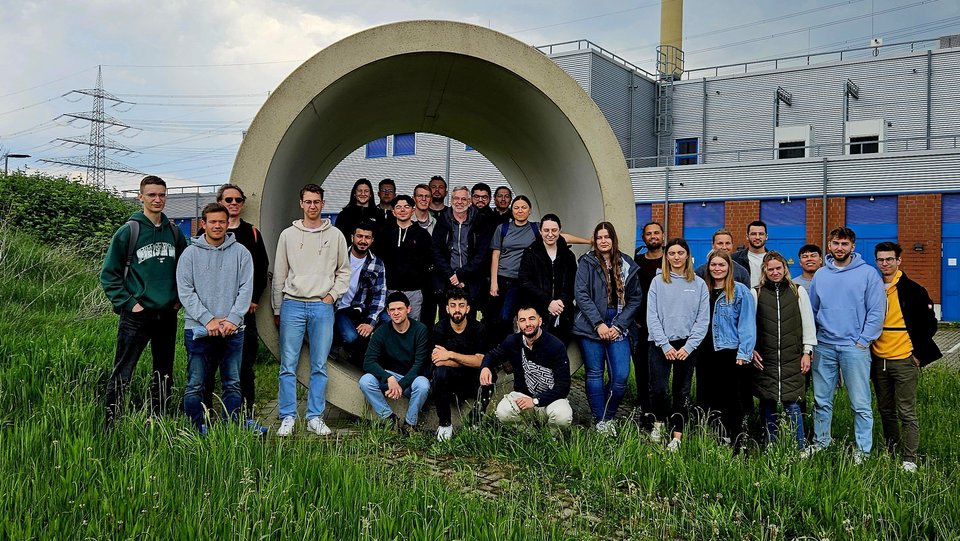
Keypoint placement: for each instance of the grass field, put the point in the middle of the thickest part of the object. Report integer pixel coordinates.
(64, 477)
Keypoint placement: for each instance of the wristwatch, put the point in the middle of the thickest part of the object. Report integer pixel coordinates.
(536, 401)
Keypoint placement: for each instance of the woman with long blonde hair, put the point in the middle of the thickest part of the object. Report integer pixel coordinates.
(678, 316)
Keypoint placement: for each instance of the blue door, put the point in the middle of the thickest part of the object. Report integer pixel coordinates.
(644, 216)
(874, 220)
(700, 221)
(950, 266)
(786, 228)
(185, 225)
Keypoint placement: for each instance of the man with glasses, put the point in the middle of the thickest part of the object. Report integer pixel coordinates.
(460, 245)
(387, 192)
(905, 344)
(407, 255)
(438, 194)
(139, 278)
(423, 217)
(848, 304)
(311, 271)
(481, 196)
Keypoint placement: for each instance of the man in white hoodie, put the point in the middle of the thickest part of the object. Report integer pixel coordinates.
(215, 285)
(311, 271)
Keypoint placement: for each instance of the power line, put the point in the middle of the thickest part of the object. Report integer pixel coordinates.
(585, 18)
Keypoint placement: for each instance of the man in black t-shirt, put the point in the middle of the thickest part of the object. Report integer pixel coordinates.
(459, 346)
(649, 261)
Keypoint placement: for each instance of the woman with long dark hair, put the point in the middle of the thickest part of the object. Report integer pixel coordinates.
(723, 379)
(786, 335)
(608, 294)
(359, 209)
(678, 316)
(547, 273)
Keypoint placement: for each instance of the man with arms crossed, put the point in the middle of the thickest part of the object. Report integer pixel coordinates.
(407, 255)
(395, 359)
(359, 309)
(905, 344)
(311, 271)
(215, 284)
(541, 372)
(848, 304)
(459, 346)
(143, 290)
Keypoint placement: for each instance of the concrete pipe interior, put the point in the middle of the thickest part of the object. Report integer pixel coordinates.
(504, 98)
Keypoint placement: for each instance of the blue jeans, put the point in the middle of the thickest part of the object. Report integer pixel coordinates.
(315, 320)
(792, 410)
(605, 399)
(204, 355)
(854, 363)
(417, 393)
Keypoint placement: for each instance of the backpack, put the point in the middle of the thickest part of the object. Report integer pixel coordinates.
(505, 226)
(135, 235)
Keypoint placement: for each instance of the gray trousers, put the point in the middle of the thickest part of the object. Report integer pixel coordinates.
(895, 384)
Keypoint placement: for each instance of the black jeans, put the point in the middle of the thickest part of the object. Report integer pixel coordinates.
(248, 387)
(641, 373)
(451, 385)
(159, 328)
(724, 390)
(660, 367)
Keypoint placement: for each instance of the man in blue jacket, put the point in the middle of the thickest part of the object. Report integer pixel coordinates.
(849, 304)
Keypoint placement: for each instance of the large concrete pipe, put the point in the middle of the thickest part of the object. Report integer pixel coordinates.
(497, 94)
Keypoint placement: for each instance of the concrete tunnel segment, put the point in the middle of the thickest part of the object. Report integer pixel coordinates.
(501, 96)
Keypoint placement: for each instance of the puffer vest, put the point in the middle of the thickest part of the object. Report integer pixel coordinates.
(780, 344)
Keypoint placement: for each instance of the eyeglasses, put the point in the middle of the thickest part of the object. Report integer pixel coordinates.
(387, 190)
(229, 200)
(312, 202)
(886, 260)
(482, 197)
(460, 199)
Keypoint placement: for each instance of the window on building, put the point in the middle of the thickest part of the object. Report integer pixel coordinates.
(377, 148)
(869, 144)
(468, 147)
(686, 151)
(791, 149)
(404, 144)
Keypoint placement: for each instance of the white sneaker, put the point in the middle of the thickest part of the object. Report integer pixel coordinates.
(809, 451)
(656, 435)
(908, 466)
(607, 428)
(674, 445)
(444, 433)
(318, 427)
(286, 427)
(859, 457)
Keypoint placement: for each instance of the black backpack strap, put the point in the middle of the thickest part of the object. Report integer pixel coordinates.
(134, 227)
(177, 234)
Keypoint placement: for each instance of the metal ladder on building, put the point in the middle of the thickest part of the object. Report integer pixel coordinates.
(669, 68)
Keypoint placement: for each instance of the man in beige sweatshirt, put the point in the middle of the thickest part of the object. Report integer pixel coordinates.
(311, 271)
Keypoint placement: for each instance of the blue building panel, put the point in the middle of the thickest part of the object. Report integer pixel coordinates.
(874, 220)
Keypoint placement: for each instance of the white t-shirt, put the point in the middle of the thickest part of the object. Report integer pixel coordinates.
(356, 265)
(756, 267)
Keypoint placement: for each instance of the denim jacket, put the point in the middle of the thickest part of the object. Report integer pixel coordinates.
(735, 323)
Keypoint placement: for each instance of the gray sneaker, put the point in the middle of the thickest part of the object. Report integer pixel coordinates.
(607, 428)
(318, 427)
(674, 445)
(809, 451)
(908, 466)
(444, 433)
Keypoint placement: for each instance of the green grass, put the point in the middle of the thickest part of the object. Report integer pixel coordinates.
(64, 477)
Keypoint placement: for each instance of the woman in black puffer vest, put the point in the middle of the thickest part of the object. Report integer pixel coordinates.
(785, 338)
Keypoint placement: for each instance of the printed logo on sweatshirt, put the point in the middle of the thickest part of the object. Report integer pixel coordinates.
(159, 250)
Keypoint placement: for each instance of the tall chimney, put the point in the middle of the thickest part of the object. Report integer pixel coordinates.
(670, 61)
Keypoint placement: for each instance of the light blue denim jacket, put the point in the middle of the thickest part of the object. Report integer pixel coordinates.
(735, 323)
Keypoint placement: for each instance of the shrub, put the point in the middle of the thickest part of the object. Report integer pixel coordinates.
(60, 211)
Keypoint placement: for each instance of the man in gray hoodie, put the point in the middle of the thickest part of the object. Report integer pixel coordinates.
(215, 285)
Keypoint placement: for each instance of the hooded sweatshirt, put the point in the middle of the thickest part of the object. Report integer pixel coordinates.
(214, 282)
(849, 303)
(151, 280)
(310, 264)
(679, 310)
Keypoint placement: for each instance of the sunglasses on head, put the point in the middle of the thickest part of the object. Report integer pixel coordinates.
(229, 200)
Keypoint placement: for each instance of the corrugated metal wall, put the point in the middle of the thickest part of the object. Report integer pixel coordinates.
(945, 106)
(644, 112)
(466, 167)
(610, 89)
(577, 65)
(926, 171)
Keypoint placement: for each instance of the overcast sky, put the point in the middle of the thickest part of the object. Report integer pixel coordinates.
(193, 74)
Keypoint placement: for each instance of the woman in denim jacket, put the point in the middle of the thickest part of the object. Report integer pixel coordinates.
(723, 381)
(607, 291)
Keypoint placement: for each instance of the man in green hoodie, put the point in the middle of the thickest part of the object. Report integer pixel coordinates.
(143, 290)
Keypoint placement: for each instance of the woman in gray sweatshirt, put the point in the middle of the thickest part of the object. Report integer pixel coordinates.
(678, 316)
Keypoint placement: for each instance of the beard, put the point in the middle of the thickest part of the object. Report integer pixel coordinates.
(457, 317)
(532, 333)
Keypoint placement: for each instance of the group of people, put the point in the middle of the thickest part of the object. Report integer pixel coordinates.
(397, 287)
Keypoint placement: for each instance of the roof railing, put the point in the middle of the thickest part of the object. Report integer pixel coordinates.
(584, 44)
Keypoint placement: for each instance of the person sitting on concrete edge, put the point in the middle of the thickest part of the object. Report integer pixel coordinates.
(215, 285)
(459, 346)
(394, 363)
(358, 310)
(541, 373)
